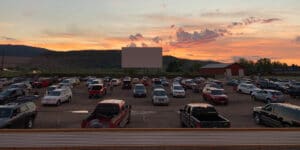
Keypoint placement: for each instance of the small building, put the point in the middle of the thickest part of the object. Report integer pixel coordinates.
(221, 69)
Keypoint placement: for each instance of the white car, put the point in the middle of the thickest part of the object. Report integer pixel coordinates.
(67, 82)
(177, 90)
(247, 88)
(95, 81)
(57, 97)
(160, 97)
(115, 82)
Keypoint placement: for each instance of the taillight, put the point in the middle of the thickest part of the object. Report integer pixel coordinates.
(274, 97)
(198, 125)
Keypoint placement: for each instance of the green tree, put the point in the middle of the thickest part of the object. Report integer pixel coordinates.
(174, 66)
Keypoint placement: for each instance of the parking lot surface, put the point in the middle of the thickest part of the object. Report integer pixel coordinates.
(144, 114)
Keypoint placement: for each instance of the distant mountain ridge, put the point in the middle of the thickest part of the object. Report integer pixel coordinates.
(87, 59)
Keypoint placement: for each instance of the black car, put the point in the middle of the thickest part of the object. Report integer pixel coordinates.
(139, 90)
(277, 115)
(293, 91)
(18, 115)
(10, 95)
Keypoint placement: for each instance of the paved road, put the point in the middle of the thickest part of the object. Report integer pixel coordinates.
(150, 138)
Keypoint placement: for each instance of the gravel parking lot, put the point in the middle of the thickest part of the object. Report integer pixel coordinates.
(144, 114)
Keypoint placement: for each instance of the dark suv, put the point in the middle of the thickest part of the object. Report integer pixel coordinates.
(18, 115)
(10, 95)
(277, 115)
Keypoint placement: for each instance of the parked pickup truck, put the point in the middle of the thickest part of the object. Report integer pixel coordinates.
(202, 115)
(108, 114)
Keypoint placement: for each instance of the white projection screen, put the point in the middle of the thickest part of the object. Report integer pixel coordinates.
(142, 57)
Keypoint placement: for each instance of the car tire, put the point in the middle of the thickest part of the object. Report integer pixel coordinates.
(240, 91)
(58, 103)
(257, 118)
(29, 123)
(286, 125)
(182, 124)
(69, 99)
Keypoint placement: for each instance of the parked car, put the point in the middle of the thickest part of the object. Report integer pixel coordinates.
(4, 81)
(51, 88)
(277, 115)
(247, 88)
(57, 97)
(115, 82)
(293, 92)
(145, 81)
(164, 82)
(215, 95)
(25, 86)
(268, 96)
(95, 81)
(10, 95)
(135, 80)
(126, 83)
(42, 82)
(18, 115)
(177, 90)
(67, 82)
(89, 81)
(139, 90)
(108, 114)
(97, 91)
(202, 115)
(160, 97)
(187, 83)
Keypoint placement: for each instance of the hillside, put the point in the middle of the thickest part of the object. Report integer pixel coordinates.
(84, 59)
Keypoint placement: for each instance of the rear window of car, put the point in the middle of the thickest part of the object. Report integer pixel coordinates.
(204, 111)
(276, 93)
(160, 93)
(97, 87)
(140, 87)
(178, 88)
(217, 92)
(107, 109)
(54, 93)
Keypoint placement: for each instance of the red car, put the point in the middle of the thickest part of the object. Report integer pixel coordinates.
(97, 91)
(42, 82)
(108, 114)
(215, 95)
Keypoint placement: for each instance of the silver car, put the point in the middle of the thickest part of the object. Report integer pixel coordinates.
(268, 96)
(160, 97)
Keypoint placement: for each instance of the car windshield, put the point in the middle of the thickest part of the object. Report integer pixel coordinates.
(160, 93)
(5, 92)
(217, 92)
(107, 109)
(51, 88)
(66, 81)
(178, 88)
(97, 87)
(54, 93)
(13, 86)
(139, 88)
(200, 111)
(5, 112)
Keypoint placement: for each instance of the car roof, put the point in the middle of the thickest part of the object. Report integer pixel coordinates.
(205, 105)
(270, 90)
(287, 105)
(159, 89)
(213, 88)
(139, 84)
(58, 90)
(97, 84)
(12, 89)
(112, 101)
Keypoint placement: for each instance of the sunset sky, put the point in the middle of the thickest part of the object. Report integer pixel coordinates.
(221, 30)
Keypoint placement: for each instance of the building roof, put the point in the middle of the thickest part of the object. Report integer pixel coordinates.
(216, 65)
